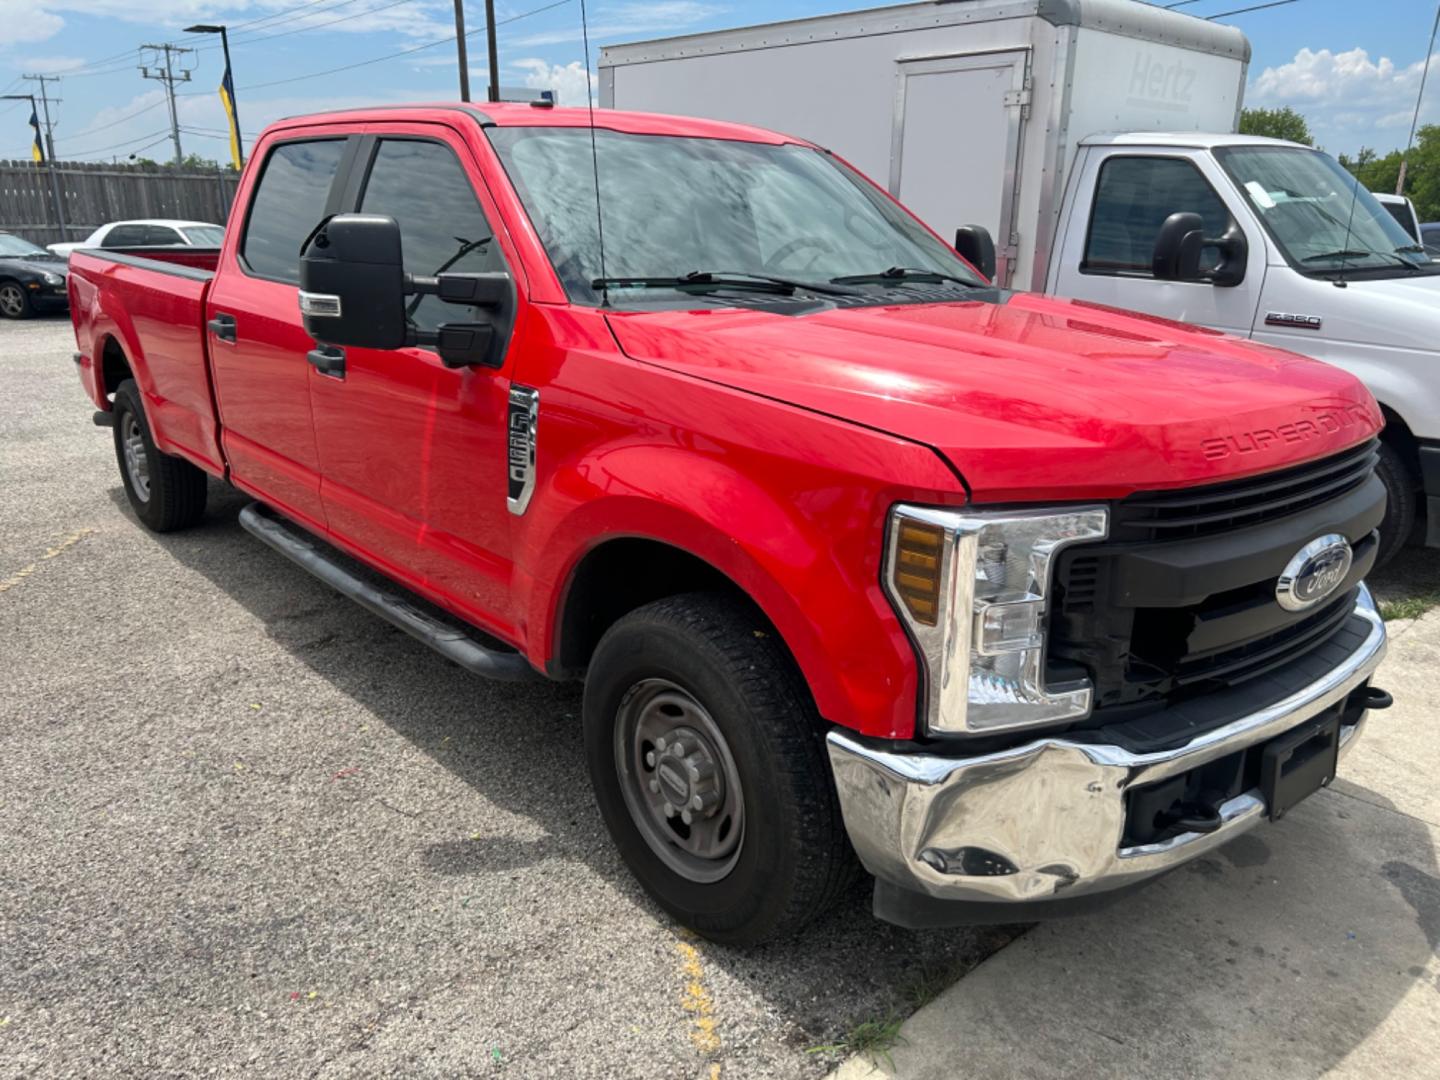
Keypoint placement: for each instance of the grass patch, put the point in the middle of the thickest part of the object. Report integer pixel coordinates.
(1411, 607)
(874, 1038)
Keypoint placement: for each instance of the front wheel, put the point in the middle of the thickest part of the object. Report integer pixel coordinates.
(1401, 494)
(14, 301)
(708, 764)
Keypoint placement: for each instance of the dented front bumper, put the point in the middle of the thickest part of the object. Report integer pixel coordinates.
(1047, 820)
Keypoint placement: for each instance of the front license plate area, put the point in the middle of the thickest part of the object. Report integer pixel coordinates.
(1296, 765)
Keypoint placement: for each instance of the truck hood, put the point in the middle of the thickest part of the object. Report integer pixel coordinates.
(1031, 398)
(1402, 312)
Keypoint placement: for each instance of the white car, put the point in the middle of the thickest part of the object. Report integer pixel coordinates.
(147, 232)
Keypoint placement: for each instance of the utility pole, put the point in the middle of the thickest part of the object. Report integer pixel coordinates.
(494, 58)
(45, 100)
(1405, 157)
(460, 49)
(169, 76)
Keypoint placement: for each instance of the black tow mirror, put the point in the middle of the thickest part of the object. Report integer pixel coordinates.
(353, 290)
(977, 247)
(352, 282)
(1176, 256)
(1182, 240)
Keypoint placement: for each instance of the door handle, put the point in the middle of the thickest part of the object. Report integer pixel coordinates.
(328, 360)
(223, 327)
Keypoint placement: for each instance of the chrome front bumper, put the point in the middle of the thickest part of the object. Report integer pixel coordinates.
(1044, 820)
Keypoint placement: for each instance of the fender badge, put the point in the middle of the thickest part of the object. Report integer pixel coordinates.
(1295, 322)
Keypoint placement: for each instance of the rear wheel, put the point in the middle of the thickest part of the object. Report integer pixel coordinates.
(1401, 490)
(166, 492)
(709, 767)
(14, 301)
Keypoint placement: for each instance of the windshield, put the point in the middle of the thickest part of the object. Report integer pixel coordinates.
(13, 246)
(673, 206)
(204, 235)
(1316, 211)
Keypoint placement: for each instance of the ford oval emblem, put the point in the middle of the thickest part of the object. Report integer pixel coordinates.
(1315, 571)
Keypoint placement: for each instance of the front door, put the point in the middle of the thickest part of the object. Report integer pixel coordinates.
(256, 339)
(413, 453)
(1106, 254)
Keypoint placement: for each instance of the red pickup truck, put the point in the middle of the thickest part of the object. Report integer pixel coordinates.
(1020, 600)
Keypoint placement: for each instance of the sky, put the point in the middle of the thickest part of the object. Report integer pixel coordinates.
(1352, 69)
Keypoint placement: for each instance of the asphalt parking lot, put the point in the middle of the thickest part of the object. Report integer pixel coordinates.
(246, 827)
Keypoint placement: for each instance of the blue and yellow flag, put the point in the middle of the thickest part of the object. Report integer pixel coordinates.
(37, 149)
(227, 98)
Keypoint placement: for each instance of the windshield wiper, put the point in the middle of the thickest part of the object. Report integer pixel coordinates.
(719, 279)
(1362, 254)
(902, 274)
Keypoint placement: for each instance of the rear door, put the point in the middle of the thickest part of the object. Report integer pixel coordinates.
(413, 452)
(955, 144)
(257, 342)
(1123, 196)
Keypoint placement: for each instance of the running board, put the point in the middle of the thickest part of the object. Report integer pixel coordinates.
(450, 642)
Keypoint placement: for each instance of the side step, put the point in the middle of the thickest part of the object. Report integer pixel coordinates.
(493, 662)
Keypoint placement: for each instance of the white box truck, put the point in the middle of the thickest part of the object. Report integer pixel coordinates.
(1073, 131)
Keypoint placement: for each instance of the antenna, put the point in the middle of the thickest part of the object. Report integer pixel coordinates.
(1340, 282)
(594, 155)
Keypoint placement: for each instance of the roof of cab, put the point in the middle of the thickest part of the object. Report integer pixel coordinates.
(1201, 140)
(523, 114)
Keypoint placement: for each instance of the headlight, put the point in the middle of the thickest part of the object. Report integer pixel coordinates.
(972, 588)
(53, 279)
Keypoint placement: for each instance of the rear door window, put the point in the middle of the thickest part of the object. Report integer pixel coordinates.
(288, 203)
(161, 236)
(124, 236)
(1133, 197)
(422, 185)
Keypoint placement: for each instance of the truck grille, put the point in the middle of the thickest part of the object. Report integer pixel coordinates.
(1126, 610)
(1221, 508)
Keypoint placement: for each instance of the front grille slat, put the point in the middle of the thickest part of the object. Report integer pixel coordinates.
(1142, 657)
(1218, 508)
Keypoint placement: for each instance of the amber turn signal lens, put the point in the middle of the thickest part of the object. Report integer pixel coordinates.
(918, 555)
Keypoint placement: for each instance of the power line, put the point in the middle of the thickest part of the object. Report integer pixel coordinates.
(116, 146)
(1243, 10)
(118, 120)
(406, 52)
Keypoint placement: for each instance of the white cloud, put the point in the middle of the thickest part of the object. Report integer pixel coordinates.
(1348, 98)
(53, 65)
(572, 84)
(28, 21)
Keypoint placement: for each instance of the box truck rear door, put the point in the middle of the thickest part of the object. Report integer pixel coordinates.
(955, 144)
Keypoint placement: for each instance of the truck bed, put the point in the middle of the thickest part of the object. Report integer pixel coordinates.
(144, 311)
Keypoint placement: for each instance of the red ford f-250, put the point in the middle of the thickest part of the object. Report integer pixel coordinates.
(1021, 600)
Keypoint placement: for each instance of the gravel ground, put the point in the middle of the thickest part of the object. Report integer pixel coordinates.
(247, 828)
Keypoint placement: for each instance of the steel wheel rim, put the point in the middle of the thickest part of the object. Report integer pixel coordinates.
(669, 752)
(137, 461)
(12, 300)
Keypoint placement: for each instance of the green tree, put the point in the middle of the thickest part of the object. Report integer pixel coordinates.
(1282, 123)
(1422, 174)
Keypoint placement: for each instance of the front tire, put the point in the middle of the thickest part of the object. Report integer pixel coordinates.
(166, 492)
(14, 301)
(1401, 491)
(708, 763)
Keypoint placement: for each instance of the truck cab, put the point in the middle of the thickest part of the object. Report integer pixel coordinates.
(1291, 251)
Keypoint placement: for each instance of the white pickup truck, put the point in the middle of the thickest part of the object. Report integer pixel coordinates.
(1003, 114)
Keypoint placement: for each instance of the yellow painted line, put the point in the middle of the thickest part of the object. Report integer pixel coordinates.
(696, 1001)
(56, 551)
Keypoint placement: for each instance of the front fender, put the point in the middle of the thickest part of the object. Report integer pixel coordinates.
(805, 543)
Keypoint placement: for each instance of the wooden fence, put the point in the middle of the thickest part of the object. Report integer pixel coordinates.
(93, 193)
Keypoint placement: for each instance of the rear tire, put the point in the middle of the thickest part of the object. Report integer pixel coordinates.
(15, 301)
(166, 492)
(744, 742)
(1401, 504)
